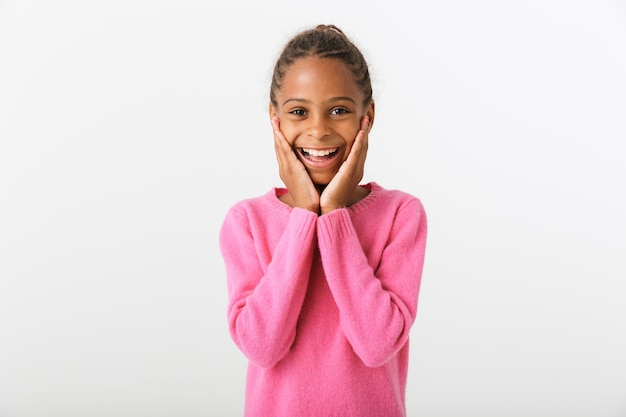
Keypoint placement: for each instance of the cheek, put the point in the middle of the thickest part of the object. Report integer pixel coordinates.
(290, 136)
(289, 132)
(349, 136)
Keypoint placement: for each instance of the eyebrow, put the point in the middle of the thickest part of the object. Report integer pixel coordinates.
(302, 100)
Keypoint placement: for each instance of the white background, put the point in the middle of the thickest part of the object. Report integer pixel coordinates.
(128, 128)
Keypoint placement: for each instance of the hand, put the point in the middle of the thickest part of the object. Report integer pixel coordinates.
(342, 187)
(293, 173)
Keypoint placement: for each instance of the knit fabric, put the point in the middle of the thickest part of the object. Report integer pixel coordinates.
(322, 305)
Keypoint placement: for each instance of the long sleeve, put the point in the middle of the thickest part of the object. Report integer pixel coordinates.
(267, 280)
(322, 306)
(378, 301)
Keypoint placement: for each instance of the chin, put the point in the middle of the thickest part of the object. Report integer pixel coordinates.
(321, 180)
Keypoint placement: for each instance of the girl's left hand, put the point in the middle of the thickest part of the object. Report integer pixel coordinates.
(341, 188)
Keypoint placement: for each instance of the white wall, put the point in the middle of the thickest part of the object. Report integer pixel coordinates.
(127, 129)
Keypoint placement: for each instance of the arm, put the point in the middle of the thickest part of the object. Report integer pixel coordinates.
(377, 307)
(265, 300)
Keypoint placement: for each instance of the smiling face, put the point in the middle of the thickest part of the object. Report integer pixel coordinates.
(320, 109)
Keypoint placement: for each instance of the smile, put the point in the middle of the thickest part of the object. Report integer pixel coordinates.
(319, 158)
(309, 152)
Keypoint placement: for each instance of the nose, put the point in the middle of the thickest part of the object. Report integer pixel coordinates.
(317, 127)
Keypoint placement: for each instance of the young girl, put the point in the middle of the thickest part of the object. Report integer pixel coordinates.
(324, 274)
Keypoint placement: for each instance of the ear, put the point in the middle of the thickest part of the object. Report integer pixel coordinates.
(370, 112)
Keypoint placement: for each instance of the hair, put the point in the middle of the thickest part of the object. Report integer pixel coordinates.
(323, 41)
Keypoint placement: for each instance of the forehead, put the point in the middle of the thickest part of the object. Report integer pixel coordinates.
(315, 78)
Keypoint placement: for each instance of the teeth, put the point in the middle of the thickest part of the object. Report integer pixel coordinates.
(315, 152)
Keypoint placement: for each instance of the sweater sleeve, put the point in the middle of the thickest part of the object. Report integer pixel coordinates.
(377, 305)
(265, 301)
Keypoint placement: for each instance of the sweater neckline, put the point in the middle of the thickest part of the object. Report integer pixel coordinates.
(374, 191)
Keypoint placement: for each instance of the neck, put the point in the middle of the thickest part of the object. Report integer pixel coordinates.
(320, 188)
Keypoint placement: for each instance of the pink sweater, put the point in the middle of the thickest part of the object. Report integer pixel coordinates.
(322, 306)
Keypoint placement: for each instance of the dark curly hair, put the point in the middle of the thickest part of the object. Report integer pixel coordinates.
(324, 41)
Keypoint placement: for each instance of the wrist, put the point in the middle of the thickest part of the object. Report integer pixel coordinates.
(328, 209)
(315, 209)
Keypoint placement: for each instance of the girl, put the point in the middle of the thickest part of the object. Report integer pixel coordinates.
(324, 274)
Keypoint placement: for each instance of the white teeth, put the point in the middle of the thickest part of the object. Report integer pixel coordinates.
(315, 152)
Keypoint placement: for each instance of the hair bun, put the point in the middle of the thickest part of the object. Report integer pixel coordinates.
(329, 28)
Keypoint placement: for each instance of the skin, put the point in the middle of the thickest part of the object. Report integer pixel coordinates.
(320, 107)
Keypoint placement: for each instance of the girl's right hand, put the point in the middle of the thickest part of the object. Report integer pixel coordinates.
(293, 173)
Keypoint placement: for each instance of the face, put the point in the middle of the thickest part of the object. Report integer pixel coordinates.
(320, 109)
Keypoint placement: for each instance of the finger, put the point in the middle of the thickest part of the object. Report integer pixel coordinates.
(280, 142)
(357, 148)
(365, 124)
(360, 141)
(276, 126)
(362, 133)
(356, 158)
(278, 135)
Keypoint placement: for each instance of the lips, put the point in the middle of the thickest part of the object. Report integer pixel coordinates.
(310, 152)
(318, 158)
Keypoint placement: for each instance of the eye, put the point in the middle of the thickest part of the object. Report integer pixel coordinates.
(298, 112)
(339, 110)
